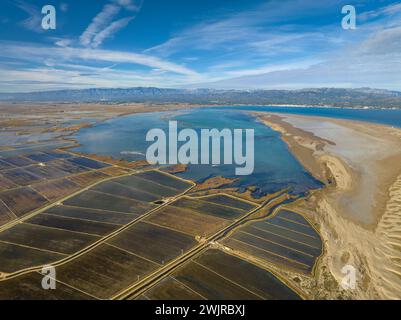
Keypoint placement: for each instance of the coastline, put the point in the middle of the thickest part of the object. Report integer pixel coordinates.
(359, 210)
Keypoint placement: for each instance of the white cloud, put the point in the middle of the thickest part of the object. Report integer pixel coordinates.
(103, 25)
(102, 19)
(64, 7)
(385, 11)
(63, 42)
(33, 22)
(32, 53)
(110, 31)
(129, 4)
(272, 20)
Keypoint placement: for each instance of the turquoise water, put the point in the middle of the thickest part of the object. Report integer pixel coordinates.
(275, 166)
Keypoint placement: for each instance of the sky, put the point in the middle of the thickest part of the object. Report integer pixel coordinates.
(222, 44)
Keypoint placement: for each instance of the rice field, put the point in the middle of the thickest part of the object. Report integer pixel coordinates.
(95, 215)
(104, 271)
(64, 229)
(118, 255)
(46, 239)
(162, 244)
(18, 161)
(22, 200)
(216, 275)
(28, 287)
(56, 189)
(20, 176)
(6, 184)
(209, 208)
(19, 257)
(286, 239)
(187, 221)
(5, 214)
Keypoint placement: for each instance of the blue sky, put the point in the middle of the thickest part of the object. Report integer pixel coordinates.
(247, 44)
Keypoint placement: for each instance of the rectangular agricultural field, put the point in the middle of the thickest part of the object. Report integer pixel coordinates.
(171, 289)
(21, 176)
(208, 208)
(46, 171)
(165, 179)
(187, 221)
(56, 240)
(58, 154)
(5, 214)
(56, 189)
(40, 157)
(284, 241)
(23, 200)
(103, 201)
(118, 189)
(115, 171)
(211, 285)
(229, 202)
(255, 279)
(294, 226)
(269, 227)
(265, 255)
(89, 163)
(88, 178)
(92, 214)
(29, 287)
(275, 248)
(68, 167)
(14, 257)
(152, 242)
(73, 224)
(104, 271)
(147, 186)
(4, 165)
(18, 161)
(292, 216)
(6, 184)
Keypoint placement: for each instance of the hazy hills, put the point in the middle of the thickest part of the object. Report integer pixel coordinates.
(322, 96)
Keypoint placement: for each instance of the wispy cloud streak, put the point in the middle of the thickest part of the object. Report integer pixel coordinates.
(103, 25)
(101, 21)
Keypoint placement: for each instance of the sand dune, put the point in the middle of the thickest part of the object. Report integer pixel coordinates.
(359, 211)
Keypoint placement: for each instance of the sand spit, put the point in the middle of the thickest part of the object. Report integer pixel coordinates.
(359, 211)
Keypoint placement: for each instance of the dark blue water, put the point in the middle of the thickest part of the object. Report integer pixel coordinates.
(275, 166)
(388, 117)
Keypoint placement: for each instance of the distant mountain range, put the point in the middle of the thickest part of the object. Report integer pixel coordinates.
(362, 97)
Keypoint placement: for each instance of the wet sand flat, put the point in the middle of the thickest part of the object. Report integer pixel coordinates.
(358, 212)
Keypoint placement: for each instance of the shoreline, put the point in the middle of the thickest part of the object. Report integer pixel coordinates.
(359, 209)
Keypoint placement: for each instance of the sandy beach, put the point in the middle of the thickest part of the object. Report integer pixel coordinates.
(359, 210)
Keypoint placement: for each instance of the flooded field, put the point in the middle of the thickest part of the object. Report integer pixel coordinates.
(104, 271)
(286, 239)
(215, 275)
